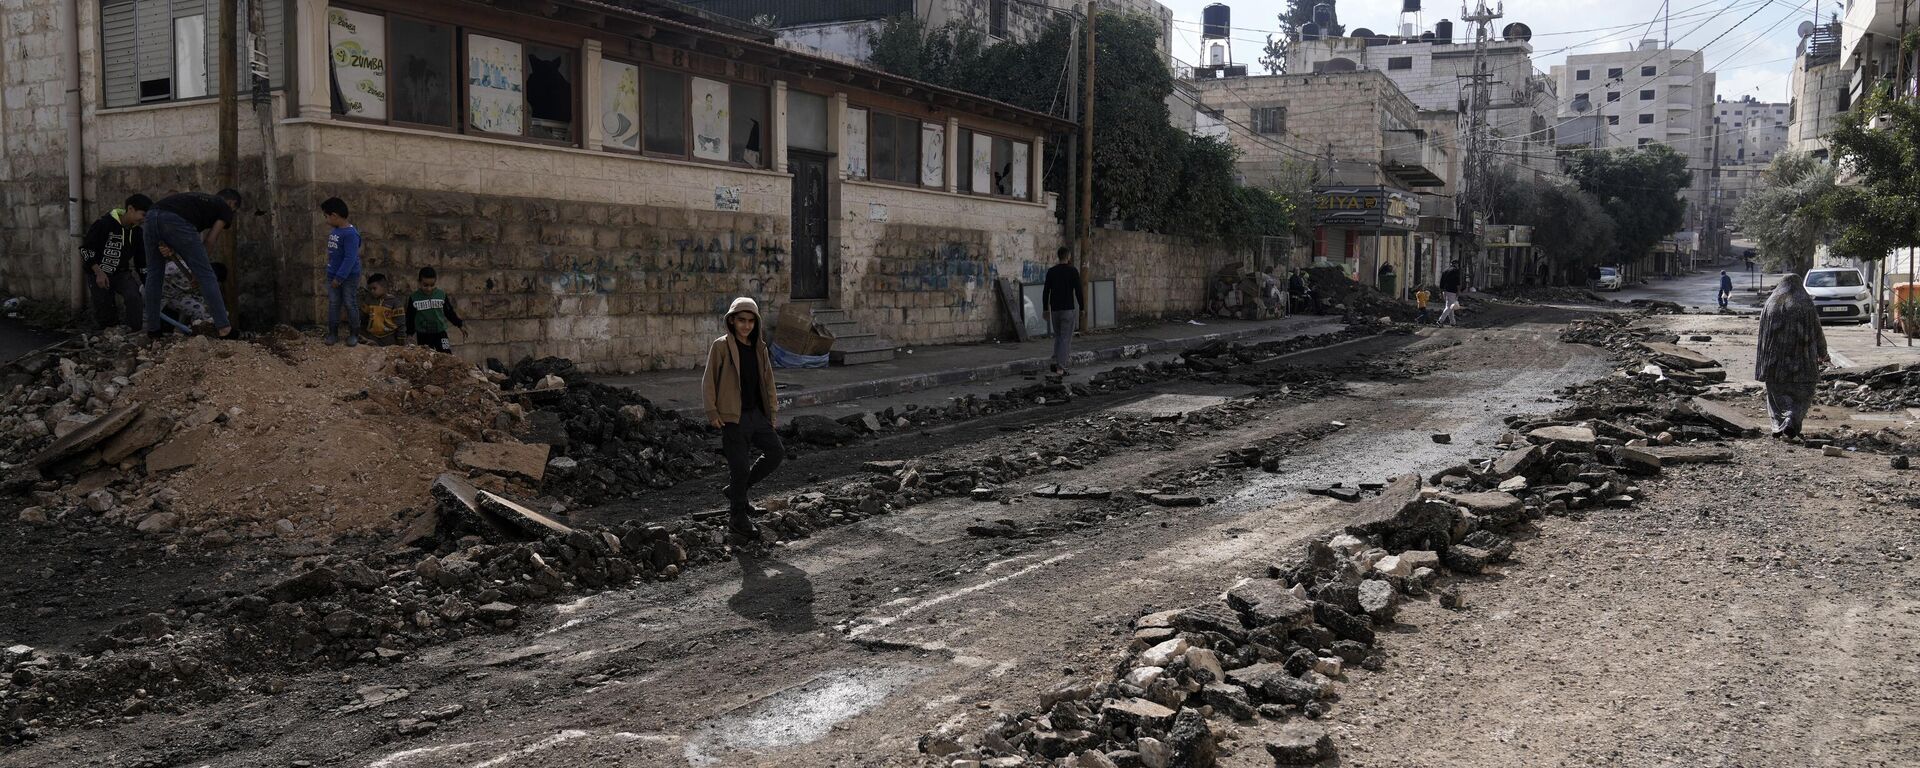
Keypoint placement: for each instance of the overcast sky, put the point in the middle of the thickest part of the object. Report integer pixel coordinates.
(1752, 57)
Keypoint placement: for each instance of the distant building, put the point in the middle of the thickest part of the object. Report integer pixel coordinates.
(1750, 131)
(1650, 95)
(1374, 157)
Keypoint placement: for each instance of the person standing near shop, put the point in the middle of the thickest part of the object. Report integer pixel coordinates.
(188, 224)
(1061, 299)
(739, 394)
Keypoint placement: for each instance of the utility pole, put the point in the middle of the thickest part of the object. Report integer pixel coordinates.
(229, 126)
(1086, 178)
(1072, 217)
(1477, 196)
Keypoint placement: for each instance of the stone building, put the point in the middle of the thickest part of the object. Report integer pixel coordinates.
(1820, 90)
(1750, 131)
(590, 181)
(1368, 148)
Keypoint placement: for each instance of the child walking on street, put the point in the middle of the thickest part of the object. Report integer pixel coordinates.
(1420, 299)
(739, 393)
(343, 272)
(385, 312)
(429, 313)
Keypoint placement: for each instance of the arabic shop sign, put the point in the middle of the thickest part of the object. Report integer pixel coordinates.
(1365, 208)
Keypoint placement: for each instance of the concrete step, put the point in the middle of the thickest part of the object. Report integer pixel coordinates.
(868, 349)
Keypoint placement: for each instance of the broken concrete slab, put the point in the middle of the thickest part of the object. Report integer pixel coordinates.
(520, 518)
(1676, 356)
(82, 440)
(1300, 743)
(1137, 713)
(1727, 418)
(148, 428)
(1637, 460)
(182, 451)
(527, 460)
(1268, 602)
(1169, 500)
(1376, 515)
(1580, 438)
(1501, 507)
(1514, 463)
(1072, 492)
(1691, 454)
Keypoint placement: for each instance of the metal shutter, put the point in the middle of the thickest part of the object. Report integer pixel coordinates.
(274, 40)
(120, 76)
(153, 43)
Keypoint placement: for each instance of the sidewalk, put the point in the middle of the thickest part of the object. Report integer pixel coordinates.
(922, 368)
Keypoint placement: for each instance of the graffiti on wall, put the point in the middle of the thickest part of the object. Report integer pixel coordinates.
(949, 268)
(679, 264)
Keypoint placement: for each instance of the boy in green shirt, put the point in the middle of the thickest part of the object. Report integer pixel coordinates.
(430, 311)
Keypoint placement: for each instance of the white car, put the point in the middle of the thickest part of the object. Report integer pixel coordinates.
(1609, 280)
(1841, 293)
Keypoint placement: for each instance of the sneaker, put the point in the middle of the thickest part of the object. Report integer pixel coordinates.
(739, 524)
(353, 341)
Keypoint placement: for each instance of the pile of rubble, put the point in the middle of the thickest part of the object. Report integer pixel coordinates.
(1891, 387)
(1548, 294)
(1344, 295)
(232, 440)
(608, 443)
(1254, 670)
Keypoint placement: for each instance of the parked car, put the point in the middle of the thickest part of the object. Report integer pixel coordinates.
(1609, 280)
(1841, 293)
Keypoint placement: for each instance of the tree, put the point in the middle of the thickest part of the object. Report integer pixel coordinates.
(1791, 213)
(1146, 173)
(1879, 210)
(1640, 191)
(1279, 47)
(1570, 227)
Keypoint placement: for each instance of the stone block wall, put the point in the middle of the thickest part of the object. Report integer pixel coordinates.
(919, 266)
(617, 262)
(1157, 276)
(33, 154)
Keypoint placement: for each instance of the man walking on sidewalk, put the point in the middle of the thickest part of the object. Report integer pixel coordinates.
(1450, 294)
(1792, 348)
(1726, 288)
(1061, 300)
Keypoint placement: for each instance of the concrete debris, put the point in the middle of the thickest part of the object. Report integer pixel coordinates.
(1300, 743)
(528, 460)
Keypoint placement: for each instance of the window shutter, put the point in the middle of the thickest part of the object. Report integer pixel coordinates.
(153, 42)
(274, 41)
(119, 54)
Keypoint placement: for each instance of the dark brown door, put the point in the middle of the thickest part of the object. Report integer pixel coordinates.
(809, 224)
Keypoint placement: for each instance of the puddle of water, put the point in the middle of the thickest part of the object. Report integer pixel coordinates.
(799, 715)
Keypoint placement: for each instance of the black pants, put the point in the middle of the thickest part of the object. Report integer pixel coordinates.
(125, 285)
(437, 342)
(737, 441)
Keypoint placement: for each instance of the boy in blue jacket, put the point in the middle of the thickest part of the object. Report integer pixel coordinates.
(343, 272)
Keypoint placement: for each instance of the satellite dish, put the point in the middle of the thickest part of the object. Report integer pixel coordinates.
(1806, 28)
(1517, 32)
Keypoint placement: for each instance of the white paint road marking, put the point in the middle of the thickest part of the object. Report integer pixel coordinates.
(963, 592)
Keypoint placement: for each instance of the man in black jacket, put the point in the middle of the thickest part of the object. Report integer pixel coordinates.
(114, 257)
(1450, 295)
(1060, 299)
(187, 224)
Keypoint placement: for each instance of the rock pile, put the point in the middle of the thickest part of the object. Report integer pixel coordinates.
(1350, 297)
(1891, 387)
(1260, 666)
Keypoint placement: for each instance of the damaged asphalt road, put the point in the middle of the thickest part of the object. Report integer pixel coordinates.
(847, 646)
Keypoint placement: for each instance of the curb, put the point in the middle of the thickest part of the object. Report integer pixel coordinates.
(898, 385)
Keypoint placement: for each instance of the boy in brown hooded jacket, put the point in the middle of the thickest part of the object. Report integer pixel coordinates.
(738, 387)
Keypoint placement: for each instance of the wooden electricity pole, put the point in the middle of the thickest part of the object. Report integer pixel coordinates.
(1086, 178)
(229, 133)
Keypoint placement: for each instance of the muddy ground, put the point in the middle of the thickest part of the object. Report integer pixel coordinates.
(1639, 637)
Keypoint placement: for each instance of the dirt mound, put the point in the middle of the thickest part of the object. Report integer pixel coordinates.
(283, 437)
(1344, 294)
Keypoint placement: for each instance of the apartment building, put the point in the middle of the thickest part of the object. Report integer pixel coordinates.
(1652, 94)
(1750, 131)
(1819, 88)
